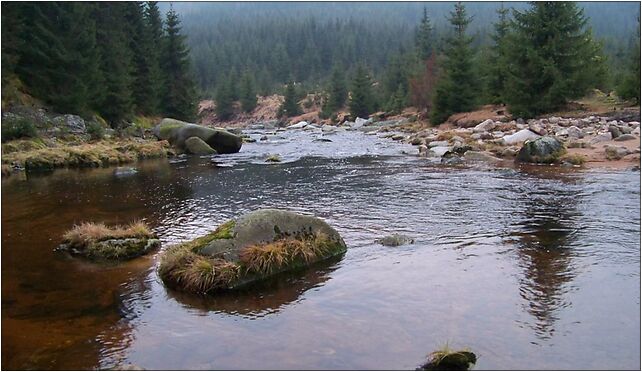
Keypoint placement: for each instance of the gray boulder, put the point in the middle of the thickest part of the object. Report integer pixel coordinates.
(395, 240)
(625, 137)
(253, 247)
(541, 150)
(197, 146)
(177, 132)
(70, 123)
(616, 152)
(485, 126)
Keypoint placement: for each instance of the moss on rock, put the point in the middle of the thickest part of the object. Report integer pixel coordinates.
(244, 251)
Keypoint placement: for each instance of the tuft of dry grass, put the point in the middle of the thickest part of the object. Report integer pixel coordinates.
(182, 267)
(88, 232)
(102, 153)
(272, 257)
(450, 360)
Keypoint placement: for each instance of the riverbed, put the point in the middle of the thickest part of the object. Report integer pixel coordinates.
(530, 267)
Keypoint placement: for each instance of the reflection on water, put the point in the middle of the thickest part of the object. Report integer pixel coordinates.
(262, 299)
(544, 248)
(518, 264)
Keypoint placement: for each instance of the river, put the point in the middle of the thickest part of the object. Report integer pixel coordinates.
(529, 267)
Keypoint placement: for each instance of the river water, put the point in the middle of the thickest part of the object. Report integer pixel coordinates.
(530, 268)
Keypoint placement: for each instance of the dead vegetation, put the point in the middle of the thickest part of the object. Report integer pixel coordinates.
(88, 232)
(272, 257)
(34, 154)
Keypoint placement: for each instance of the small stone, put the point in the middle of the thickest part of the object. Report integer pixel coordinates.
(625, 137)
(437, 143)
(395, 240)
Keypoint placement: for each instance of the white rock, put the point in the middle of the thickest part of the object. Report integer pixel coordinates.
(485, 126)
(437, 144)
(520, 137)
(636, 131)
(439, 151)
(299, 125)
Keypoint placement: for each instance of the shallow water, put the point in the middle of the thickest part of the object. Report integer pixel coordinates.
(531, 268)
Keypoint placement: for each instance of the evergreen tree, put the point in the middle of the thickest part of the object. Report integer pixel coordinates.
(145, 73)
(397, 101)
(247, 92)
(290, 106)
(225, 100)
(12, 40)
(361, 96)
(497, 62)
(179, 100)
(116, 65)
(552, 56)
(630, 86)
(59, 57)
(337, 92)
(423, 38)
(456, 87)
(154, 25)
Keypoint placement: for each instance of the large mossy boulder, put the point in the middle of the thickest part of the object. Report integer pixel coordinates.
(177, 132)
(541, 150)
(251, 248)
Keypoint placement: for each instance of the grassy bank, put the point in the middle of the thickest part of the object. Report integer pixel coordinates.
(36, 154)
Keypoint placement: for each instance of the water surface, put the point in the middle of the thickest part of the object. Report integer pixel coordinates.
(531, 268)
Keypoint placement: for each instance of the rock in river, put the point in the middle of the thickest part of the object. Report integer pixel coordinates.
(395, 240)
(97, 241)
(197, 146)
(541, 150)
(255, 246)
(177, 132)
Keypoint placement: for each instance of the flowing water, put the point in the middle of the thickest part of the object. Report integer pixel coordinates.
(531, 268)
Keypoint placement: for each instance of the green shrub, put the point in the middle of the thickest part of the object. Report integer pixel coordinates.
(19, 128)
(95, 130)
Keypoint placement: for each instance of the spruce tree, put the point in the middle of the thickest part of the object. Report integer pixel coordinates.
(140, 42)
(423, 37)
(337, 92)
(225, 100)
(247, 92)
(497, 61)
(361, 96)
(630, 86)
(12, 38)
(154, 26)
(456, 88)
(553, 58)
(59, 60)
(179, 100)
(290, 106)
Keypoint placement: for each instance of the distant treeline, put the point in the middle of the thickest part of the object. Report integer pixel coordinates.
(114, 59)
(302, 42)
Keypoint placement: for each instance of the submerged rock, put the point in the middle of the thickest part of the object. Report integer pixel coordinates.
(253, 247)
(447, 360)
(541, 150)
(125, 171)
(177, 132)
(395, 240)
